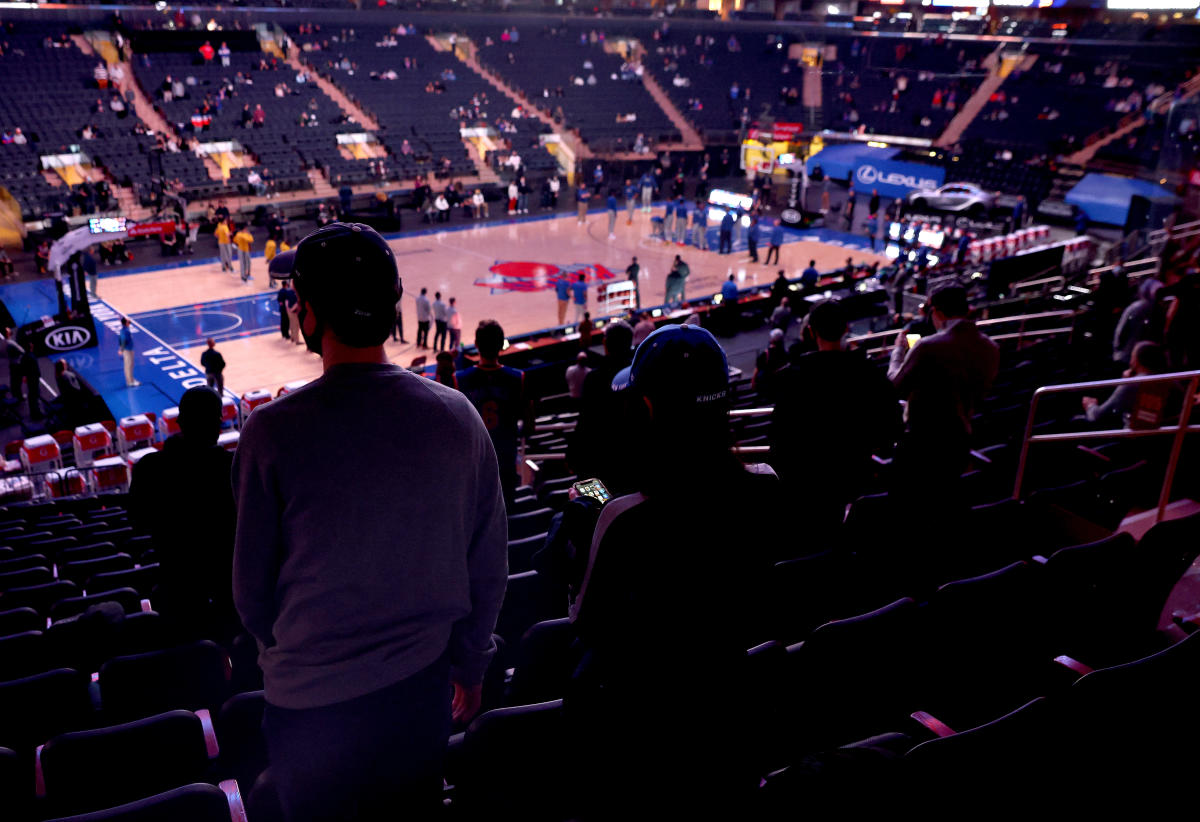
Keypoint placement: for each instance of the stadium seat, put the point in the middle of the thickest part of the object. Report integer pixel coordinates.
(129, 600)
(20, 620)
(239, 729)
(83, 570)
(22, 654)
(35, 708)
(543, 664)
(25, 578)
(20, 563)
(521, 551)
(92, 550)
(526, 602)
(525, 525)
(188, 677)
(39, 597)
(191, 803)
(84, 771)
(143, 580)
(90, 640)
(509, 762)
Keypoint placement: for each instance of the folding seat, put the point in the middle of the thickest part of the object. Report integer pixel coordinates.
(239, 729)
(84, 771)
(39, 597)
(21, 542)
(190, 677)
(83, 570)
(528, 524)
(143, 580)
(93, 550)
(521, 551)
(853, 678)
(35, 708)
(24, 578)
(528, 600)
(543, 663)
(509, 762)
(191, 803)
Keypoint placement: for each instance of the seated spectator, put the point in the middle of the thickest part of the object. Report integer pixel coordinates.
(636, 613)
(7, 268)
(767, 365)
(1136, 323)
(195, 553)
(833, 411)
(1133, 406)
(781, 317)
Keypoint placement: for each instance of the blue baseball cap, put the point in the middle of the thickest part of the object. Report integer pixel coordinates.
(682, 364)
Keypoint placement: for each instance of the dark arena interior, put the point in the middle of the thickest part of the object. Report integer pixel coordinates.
(354, 344)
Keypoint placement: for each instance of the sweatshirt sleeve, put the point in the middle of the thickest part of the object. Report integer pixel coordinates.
(471, 643)
(257, 544)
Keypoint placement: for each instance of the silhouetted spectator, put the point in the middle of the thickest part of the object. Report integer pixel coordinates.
(195, 553)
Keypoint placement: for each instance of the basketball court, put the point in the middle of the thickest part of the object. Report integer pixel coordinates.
(502, 271)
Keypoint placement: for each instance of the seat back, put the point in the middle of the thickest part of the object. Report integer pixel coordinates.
(191, 803)
(188, 677)
(91, 770)
(36, 708)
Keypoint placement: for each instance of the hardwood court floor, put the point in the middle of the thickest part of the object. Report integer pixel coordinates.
(184, 305)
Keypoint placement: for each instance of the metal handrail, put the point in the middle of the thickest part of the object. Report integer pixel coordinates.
(1161, 235)
(1058, 280)
(1018, 318)
(1179, 431)
(1151, 264)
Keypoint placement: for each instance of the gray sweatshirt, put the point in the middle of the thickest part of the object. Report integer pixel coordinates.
(371, 535)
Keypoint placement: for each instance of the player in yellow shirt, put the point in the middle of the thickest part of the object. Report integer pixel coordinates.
(243, 240)
(224, 246)
(269, 250)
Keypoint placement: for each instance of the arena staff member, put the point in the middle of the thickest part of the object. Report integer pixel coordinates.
(364, 615)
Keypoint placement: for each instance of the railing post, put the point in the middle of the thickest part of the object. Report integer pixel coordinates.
(1189, 402)
(1033, 404)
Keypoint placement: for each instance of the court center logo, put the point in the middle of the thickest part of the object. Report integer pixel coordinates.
(527, 276)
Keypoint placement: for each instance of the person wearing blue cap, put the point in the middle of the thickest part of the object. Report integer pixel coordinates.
(637, 612)
(366, 618)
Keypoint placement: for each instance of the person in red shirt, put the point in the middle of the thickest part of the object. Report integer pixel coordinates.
(206, 51)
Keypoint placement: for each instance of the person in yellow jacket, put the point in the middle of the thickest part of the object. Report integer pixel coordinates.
(243, 240)
(224, 246)
(272, 248)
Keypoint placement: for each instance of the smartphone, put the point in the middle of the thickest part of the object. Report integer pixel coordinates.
(593, 488)
(912, 339)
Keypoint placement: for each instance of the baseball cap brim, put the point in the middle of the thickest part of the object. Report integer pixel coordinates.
(282, 265)
(623, 379)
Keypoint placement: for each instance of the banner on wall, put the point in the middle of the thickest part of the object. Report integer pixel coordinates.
(779, 133)
(896, 179)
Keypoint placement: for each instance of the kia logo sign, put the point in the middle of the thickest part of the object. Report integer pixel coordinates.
(790, 215)
(68, 338)
(869, 175)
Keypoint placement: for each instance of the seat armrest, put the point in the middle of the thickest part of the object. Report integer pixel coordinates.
(932, 723)
(233, 795)
(1073, 665)
(210, 736)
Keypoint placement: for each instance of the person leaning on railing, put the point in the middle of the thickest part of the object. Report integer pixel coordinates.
(1127, 402)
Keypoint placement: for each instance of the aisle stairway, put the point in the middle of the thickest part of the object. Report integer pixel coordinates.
(997, 71)
(466, 52)
(691, 138)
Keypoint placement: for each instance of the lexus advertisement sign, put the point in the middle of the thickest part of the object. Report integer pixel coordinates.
(896, 179)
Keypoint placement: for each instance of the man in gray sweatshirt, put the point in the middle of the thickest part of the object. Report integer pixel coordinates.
(371, 552)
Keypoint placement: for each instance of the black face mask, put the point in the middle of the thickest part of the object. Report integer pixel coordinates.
(311, 341)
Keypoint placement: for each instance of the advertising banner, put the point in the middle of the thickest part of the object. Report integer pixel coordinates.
(780, 132)
(895, 179)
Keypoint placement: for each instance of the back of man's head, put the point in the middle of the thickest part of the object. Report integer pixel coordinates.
(1149, 358)
(828, 321)
(346, 274)
(200, 416)
(951, 301)
(618, 339)
(489, 339)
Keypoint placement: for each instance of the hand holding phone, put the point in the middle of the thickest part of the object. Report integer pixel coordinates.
(593, 488)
